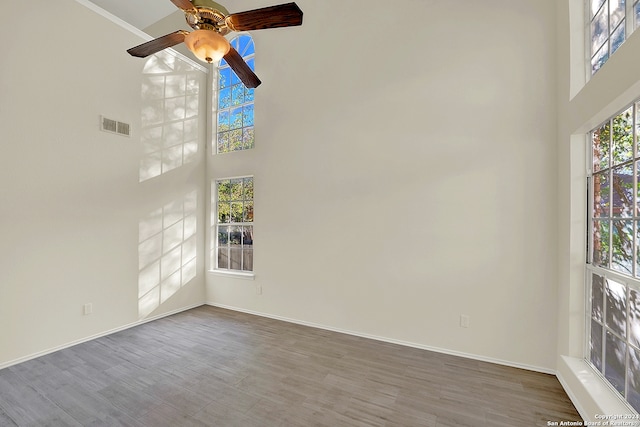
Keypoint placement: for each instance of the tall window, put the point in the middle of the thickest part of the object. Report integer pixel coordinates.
(609, 27)
(233, 249)
(235, 115)
(614, 269)
(615, 203)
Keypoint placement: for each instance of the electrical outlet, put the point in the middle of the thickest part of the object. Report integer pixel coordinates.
(87, 309)
(259, 289)
(464, 321)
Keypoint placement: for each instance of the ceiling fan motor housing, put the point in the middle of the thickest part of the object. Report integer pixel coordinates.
(210, 16)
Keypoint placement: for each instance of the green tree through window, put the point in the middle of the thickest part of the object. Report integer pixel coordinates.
(614, 200)
(614, 271)
(234, 224)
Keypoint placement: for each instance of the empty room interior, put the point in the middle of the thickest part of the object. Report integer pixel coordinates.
(421, 188)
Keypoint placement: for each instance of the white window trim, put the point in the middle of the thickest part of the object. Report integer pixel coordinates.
(233, 273)
(626, 281)
(213, 248)
(629, 281)
(215, 93)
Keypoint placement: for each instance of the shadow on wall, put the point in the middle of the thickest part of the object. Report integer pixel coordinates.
(166, 252)
(170, 92)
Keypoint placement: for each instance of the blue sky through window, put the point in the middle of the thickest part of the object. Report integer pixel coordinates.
(235, 117)
(608, 28)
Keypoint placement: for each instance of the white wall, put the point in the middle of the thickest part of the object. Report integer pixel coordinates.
(581, 107)
(71, 197)
(405, 173)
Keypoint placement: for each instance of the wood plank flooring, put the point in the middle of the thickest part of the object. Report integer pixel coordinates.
(215, 367)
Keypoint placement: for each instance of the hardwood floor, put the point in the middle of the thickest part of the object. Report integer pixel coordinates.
(214, 367)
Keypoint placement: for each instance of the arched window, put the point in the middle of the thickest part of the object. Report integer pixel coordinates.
(234, 129)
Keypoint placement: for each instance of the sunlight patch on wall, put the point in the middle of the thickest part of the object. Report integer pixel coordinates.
(170, 106)
(166, 252)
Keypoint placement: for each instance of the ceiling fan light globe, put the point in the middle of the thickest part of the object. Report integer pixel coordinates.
(207, 45)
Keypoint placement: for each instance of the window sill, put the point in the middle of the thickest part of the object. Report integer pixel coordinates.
(235, 274)
(591, 396)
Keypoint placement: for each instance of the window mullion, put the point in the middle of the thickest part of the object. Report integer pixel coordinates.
(587, 42)
(610, 172)
(628, 20)
(626, 341)
(603, 337)
(634, 197)
(241, 248)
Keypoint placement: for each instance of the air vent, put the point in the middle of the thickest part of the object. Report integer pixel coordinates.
(109, 125)
(123, 129)
(114, 126)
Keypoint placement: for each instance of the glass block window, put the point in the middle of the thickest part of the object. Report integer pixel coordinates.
(233, 224)
(235, 108)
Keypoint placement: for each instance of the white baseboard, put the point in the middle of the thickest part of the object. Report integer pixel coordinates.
(584, 413)
(92, 337)
(391, 340)
(298, 322)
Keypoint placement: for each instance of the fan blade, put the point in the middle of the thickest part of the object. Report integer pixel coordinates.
(242, 69)
(156, 45)
(184, 4)
(284, 15)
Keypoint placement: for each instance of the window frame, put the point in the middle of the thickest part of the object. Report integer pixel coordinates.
(631, 280)
(630, 285)
(634, 162)
(246, 132)
(216, 224)
(630, 23)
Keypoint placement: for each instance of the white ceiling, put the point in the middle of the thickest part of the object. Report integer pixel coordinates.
(139, 13)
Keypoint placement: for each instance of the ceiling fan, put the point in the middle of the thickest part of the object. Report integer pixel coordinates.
(211, 22)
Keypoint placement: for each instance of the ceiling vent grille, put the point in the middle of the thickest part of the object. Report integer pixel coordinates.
(114, 126)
